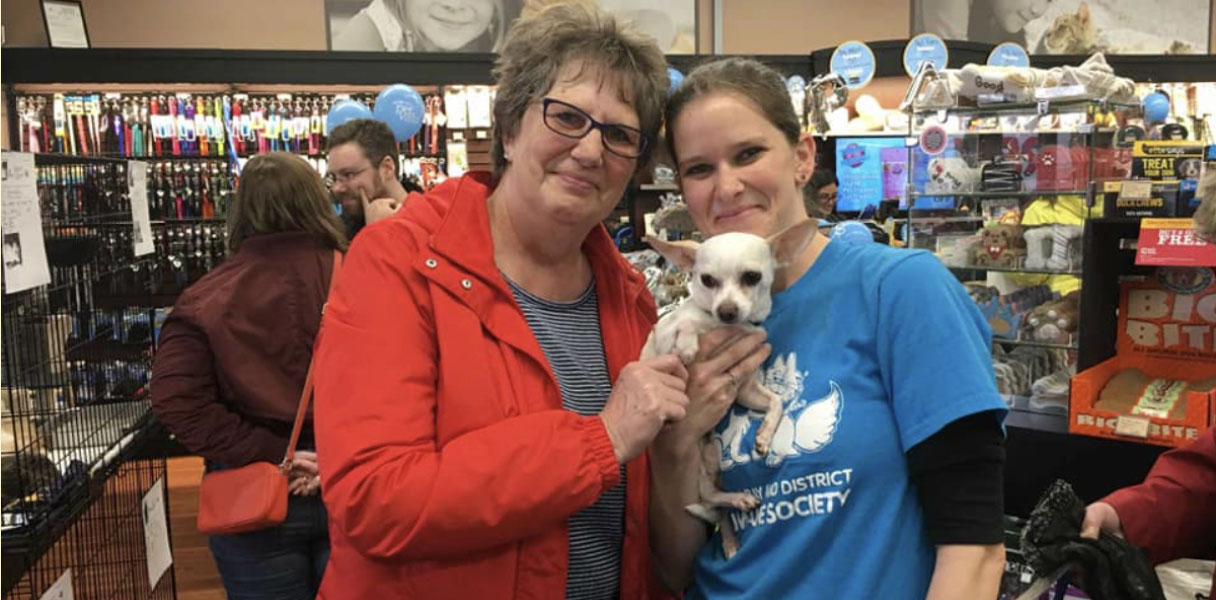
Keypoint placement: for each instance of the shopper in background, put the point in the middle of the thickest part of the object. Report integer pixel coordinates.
(885, 477)
(481, 415)
(232, 360)
(820, 193)
(362, 165)
(1173, 513)
(428, 26)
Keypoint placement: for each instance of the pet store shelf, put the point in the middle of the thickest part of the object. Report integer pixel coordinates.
(1082, 130)
(942, 220)
(1026, 194)
(659, 187)
(864, 134)
(1034, 344)
(1021, 271)
(1051, 106)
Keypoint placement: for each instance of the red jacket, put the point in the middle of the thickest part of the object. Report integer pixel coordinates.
(1173, 513)
(448, 465)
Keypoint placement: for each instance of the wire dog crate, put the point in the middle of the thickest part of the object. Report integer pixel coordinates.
(76, 362)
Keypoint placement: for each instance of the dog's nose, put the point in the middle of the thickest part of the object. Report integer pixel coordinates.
(727, 313)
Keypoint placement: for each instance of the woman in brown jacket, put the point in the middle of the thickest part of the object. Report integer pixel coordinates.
(232, 360)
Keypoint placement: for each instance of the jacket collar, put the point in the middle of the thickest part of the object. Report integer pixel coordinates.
(464, 238)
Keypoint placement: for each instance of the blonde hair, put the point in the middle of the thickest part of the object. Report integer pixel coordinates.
(553, 34)
(281, 193)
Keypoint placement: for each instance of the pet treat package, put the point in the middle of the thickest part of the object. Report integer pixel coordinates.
(1177, 162)
(1159, 386)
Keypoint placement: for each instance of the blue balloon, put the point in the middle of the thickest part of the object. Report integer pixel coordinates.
(1156, 107)
(400, 106)
(343, 111)
(675, 78)
(853, 232)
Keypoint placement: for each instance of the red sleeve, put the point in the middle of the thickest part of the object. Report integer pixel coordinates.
(185, 400)
(387, 485)
(1173, 513)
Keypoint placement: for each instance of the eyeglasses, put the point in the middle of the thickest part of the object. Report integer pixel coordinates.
(570, 121)
(332, 178)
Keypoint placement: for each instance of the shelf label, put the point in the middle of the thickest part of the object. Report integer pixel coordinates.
(1172, 243)
(1136, 427)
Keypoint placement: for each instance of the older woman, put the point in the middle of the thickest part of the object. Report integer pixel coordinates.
(481, 418)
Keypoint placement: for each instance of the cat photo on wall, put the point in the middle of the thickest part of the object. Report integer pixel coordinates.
(1078, 27)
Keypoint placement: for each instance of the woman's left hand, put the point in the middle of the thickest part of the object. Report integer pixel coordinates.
(304, 478)
(725, 356)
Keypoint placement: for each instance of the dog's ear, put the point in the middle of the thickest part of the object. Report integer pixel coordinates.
(682, 254)
(788, 244)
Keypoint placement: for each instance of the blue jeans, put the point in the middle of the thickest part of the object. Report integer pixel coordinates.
(280, 563)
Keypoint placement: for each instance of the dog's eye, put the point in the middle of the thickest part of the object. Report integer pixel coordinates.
(750, 278)
(709, 281)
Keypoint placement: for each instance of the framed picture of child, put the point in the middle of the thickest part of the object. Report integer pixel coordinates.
(481, 25)
(1072, 26)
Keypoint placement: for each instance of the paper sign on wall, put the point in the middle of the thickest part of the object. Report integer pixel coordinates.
(137, 191)
(156, 533)
(62, 588)
(24, 250)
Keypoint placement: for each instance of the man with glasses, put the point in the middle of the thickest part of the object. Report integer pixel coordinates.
(362, 157)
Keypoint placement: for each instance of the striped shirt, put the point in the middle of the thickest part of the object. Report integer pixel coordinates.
(569, 334)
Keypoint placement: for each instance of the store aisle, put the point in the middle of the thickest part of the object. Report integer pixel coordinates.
(197, 578)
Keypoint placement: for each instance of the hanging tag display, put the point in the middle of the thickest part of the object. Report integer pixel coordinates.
(855, 62)
(455, 102)
(25, 263)
(480, 107)
(1009, 54)
(925, 48)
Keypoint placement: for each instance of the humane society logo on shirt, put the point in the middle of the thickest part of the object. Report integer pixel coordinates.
(806, 427)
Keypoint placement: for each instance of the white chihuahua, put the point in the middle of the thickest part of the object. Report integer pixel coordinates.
(731, 284)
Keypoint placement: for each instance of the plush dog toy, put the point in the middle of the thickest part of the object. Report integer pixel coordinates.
(949, 175)
(1001, 245)
(1055, 322)
(1052, 246)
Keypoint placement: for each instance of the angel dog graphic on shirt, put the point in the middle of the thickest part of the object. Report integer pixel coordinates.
(806, 426)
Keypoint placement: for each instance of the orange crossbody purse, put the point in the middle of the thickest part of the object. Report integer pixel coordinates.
(254, 496)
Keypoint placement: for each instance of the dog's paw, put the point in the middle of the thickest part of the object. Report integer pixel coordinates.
(702, 512)
(730, 547)
(764, 443)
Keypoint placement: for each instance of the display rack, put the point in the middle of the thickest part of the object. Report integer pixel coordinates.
(1003, 201)
(76, 362)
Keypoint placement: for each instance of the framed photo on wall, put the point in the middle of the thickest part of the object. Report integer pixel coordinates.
(1072, 26)
(481, 25)
(64, 21)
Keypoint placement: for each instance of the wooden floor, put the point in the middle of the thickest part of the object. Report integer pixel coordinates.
(197, 578)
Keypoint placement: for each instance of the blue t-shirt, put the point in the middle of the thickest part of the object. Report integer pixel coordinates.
(874, 350)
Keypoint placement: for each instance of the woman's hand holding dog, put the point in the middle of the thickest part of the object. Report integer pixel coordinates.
(725, 356)
(648, 393)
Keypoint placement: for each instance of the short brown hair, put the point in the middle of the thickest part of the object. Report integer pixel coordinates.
(280, 193)
(542, 42)
(744, 77)
(373, 137)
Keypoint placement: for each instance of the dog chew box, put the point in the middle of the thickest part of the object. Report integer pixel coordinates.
(1165, 332)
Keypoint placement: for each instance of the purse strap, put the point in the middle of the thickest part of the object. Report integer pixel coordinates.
(306, 395)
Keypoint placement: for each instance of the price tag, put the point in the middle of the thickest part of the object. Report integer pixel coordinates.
(1043, 107)
(1134, 190)
(1136, 427)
